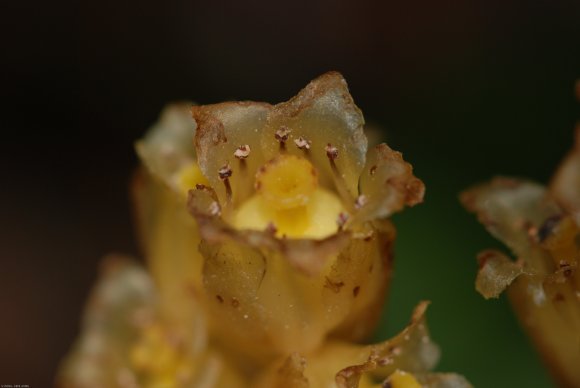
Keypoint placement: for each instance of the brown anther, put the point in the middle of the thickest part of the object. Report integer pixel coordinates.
(331, 152)
(373, 170)
(282, 134)
(200, 186)
(242, 152)
(225, 172)
(360, 201)
(302, 143)
(341, 220)
(215, 209)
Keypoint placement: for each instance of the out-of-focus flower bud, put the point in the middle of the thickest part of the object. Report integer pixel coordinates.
(541, 226)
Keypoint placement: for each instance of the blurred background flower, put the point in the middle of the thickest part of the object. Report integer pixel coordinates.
(466, 89)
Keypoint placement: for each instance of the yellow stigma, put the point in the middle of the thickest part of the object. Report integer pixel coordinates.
(288, 196)
(287, 182)
(400, 379)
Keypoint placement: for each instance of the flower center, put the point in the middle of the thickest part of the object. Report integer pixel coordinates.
(289, 198)
(287, 182)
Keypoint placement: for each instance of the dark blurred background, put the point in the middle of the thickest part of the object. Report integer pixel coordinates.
(465, 89)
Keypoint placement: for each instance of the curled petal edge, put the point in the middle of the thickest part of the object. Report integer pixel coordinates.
(496, 273)
(388, 184)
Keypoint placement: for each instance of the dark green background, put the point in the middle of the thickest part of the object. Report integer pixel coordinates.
(465, 89)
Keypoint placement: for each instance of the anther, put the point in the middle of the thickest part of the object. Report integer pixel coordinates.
(302, 143)
(242, 152)
(360, 201)
(331, 152)
(225, 173)
(341, 220)
(282, 135)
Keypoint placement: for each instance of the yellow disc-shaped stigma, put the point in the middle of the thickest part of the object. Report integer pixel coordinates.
(287, 182)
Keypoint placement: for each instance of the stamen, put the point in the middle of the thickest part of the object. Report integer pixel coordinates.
(360, 201)
(225, 173)
(242, 152)
(282, 135)
(331, 152)
(341, 220)
(302, 143)
(341, 186)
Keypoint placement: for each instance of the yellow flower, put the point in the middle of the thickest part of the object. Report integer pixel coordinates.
(269, 248)
(541, 226)
(295, 238)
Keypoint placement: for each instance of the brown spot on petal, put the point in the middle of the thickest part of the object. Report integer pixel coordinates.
(219, 298)
(558, 297)
(355, 291)
(332, 285)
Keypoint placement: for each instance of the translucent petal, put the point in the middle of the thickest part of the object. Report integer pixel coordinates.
(388, 184)
(222, 129)
(323, 112)
(343, 365)
(496, 273)
(514, 211)
(565, 186)
(170, 239)
(168, 145)
(270, 296)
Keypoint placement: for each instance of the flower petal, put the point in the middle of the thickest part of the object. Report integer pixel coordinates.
(388, 184)
(124, 295)
(496, 273)
(221, 130)
(167, 146)
(323, 113)
(272, 296)
(411, 350)
(514, 211)
(565, 186)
